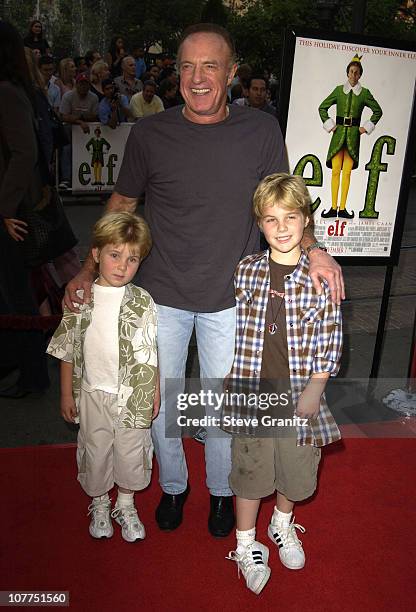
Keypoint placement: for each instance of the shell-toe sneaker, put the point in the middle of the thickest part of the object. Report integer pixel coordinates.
(132, 529)
(253, 565)
(290, 547)
(100, 526)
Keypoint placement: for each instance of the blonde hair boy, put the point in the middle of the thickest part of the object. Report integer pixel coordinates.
(288, 341)
(288, 191)
(123, 228)
(109, 376)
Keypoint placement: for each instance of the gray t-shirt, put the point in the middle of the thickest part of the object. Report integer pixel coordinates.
(73, 104)
(199, 182)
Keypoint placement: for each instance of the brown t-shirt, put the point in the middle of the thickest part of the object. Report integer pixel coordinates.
(275, 363)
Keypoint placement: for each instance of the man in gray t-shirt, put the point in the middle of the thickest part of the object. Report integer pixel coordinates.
(78, 107)
(199, 166)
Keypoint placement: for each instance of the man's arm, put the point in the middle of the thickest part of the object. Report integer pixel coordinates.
(90, 117)
(113, 119)
(125, 108)
(120, 203)
(322, 265)
(74, 120)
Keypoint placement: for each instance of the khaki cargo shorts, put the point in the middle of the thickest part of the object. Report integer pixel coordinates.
(108, 454)
(261, 466)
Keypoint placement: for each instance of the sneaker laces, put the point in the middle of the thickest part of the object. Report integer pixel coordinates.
(247, 562)
(99, 509)
(288, 533)
(128, 513)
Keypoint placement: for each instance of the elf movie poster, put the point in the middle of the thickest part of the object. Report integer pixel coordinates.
(350, 111)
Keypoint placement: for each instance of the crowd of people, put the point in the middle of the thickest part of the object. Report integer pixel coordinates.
(199, 164)
(124, 85)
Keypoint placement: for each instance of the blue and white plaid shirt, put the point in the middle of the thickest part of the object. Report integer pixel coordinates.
(314, 338)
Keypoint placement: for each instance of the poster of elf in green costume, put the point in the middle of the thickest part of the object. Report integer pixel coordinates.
(347, 109)
(343, 154)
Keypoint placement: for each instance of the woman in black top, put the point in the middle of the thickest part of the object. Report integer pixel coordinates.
(35, 39)
(20, 184)
(115, 56)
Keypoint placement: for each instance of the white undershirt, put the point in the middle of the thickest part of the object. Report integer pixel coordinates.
(101, 342)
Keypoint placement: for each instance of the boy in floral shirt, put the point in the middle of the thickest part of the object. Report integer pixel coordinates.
(109, 376)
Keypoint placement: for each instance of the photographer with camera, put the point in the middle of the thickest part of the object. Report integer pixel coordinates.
(114, 107)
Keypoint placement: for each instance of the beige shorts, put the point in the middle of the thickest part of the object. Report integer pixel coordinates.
(108, 454)
(261, 466)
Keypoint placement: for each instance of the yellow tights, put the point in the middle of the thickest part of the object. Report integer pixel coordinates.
(97, 171)
(341, 161)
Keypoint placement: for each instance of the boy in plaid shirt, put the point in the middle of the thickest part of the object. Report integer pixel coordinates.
(287, 336)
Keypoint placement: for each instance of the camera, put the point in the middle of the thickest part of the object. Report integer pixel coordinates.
(116, 94)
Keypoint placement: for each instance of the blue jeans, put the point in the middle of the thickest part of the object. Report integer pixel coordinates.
(215, 334)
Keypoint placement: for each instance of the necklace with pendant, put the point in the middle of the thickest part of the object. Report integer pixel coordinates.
(272, 327)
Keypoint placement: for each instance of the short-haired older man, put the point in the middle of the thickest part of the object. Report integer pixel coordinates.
(199, 165)
(127, 83)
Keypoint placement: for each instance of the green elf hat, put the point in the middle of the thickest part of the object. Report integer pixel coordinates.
(357, 58)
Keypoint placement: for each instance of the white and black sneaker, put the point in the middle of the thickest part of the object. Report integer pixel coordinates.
(253, 565)
(100, 526)
(132, 529)
(290, 547)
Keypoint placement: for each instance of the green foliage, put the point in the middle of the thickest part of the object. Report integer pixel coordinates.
(381, 20)
(258, 29)
(74, 26)
(214, 11)
(151, 21)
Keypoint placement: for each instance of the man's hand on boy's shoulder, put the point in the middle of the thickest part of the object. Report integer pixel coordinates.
(81, 282)
(323, 266)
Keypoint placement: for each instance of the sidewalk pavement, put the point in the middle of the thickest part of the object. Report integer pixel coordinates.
(28, 422)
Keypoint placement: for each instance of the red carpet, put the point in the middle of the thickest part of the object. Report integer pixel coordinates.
(360, 541)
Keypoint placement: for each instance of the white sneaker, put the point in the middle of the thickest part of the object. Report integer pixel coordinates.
(290, 547)
(253, 565)
(100, 526)
(132, 528)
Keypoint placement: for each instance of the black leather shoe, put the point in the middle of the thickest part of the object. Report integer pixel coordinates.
(329, 214)
(344, 214)
(221, 517)
(169, 511)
